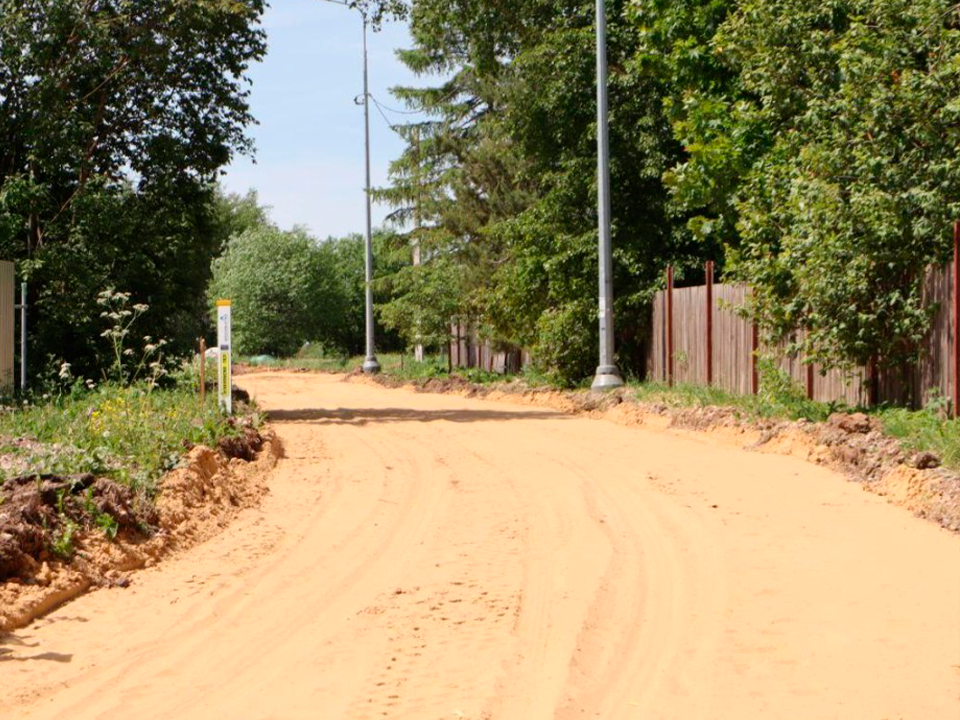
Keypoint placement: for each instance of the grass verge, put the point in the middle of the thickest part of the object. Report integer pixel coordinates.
(924, 430)
(130, 434)
(771, 405)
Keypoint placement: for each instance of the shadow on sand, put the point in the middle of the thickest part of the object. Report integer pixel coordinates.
(10, 644)
(364, 416)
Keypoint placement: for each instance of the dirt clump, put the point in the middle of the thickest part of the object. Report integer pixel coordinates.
(244, 446)
(852, 422)
(450, 384)
(924, 460)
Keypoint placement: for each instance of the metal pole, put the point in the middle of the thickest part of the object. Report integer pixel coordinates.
(956, 318)
(203, 371)
(418, 349)
(607, 377)
(709, 322)
(23, 337)
(370, 364)
(670, 325)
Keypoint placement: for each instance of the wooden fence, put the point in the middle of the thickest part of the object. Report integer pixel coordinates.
(698, 337)
(468, 350)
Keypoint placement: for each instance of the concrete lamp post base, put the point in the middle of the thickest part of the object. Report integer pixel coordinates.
(607, 378)
(371, 366)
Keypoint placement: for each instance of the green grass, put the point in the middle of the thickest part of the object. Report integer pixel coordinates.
(782, 405)
(917, 430)
(130, 434)
(306, 360)
(925, 429)
(398, 365)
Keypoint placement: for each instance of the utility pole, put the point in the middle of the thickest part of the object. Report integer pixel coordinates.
(607, 377)
(370, 364)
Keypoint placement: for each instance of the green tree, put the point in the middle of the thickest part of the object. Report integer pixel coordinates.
(345, 322)
(233, 214)
(510, 167)
(676, 46)
(854, 196)
(282, 288)
(116, 117)
(287, 289)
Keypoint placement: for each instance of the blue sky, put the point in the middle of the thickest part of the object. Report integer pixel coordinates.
(309, 159)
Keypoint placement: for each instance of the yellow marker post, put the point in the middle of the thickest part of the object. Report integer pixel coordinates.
(224, 375)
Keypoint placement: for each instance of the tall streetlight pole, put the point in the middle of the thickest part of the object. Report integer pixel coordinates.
(370, 364)
(607, 377)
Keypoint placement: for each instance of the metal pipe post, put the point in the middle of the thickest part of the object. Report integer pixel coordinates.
(956, 319)
(203, 371)
(670, 325)
(370, 364)
(23, 337)
(709, 310)
(607, 377)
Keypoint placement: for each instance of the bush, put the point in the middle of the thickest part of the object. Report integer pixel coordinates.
(566, 347)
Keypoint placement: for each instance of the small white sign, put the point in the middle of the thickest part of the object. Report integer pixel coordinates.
(224, 374)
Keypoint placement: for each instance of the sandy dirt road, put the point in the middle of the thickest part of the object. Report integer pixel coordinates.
(424, 556)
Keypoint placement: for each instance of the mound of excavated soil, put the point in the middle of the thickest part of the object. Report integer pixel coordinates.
(38, 510)
(853, 443)
(193, 503)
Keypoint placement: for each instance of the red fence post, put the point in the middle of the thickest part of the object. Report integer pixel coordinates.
(754, 349)
(956, 318)
(873, 386)
(709, 322)
(670, 325)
